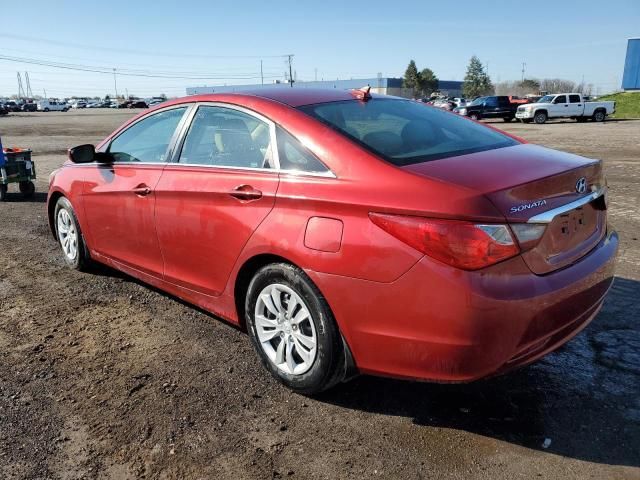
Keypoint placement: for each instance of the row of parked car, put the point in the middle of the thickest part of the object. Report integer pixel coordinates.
(531, 109)
(53, 105)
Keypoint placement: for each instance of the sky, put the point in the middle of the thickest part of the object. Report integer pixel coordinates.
(208, 42)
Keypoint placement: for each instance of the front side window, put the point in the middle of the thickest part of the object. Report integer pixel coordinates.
(491, 102)
(405, 132)
(224, 137)
(147, 141)
(561, 99)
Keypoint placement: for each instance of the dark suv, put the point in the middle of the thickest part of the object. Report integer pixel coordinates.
(495, 106)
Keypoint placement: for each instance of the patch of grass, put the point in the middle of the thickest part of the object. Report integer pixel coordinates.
(627, 104)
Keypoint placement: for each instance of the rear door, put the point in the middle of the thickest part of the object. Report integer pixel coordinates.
(119, 197)
(210, 200)
(576, 106)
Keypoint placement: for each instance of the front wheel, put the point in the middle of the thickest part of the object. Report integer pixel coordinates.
(474, 116)
(46, 109)
(540, 118)
(507, 119)
(3, 192)
(74, 248)
(293, 330)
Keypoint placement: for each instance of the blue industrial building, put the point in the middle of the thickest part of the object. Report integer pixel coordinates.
(385, 85)
(631, 75)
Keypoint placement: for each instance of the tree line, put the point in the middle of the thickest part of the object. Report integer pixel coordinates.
(477, 83)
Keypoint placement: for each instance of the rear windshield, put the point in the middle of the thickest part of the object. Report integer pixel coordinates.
(405, 132)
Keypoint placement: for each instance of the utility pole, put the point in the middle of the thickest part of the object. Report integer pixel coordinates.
(316, 74)
(261, 74)
(115, 83)
(45, 93)
(523, 65)
(290, 60)
(29, 92)
(20, 88)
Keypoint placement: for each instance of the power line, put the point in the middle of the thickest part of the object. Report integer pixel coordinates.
(126, 50)
(131, 72)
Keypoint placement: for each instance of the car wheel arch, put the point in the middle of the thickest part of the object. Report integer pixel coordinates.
(245, 273)
(51, 208)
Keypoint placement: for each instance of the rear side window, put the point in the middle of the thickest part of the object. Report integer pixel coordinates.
(224, 137)
(147, 140)
(294, 156)
(404, 132)
(574, 98)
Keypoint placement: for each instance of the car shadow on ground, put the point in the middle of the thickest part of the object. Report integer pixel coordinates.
(581, 401)
(17, 197)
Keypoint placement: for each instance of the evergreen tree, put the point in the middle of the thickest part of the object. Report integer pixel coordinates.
(476, 81)
(412, 77)
(428, 82)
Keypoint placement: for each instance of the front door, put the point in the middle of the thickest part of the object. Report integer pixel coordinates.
(560, 107)
(119, 197)
(213, 198)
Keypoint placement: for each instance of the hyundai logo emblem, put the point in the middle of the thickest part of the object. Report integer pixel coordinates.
(581, 185)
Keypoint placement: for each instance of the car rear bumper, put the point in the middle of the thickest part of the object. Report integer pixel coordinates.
(442, 324)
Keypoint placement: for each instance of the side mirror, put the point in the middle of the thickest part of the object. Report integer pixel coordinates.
(82, 153)
(87, 154)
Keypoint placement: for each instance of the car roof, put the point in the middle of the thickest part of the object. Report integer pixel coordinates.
(293, 97)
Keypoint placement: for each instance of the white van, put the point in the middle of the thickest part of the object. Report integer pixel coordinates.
(52, 106)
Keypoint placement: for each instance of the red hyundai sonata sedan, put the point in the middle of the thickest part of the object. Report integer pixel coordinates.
(347, 232)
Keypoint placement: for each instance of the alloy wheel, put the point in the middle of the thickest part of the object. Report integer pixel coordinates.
(67, 234)
(285, 329)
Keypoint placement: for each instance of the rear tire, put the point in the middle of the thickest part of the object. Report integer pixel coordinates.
(46, 109)
(3, 192)
(599, 116)
(74, 249)
(540, 118)
(28, 189)
(293, 329)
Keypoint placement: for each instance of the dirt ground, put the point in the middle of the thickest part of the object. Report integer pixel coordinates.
(103, 377)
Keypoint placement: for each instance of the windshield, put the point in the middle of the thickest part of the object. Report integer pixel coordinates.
(477, 101)
(546, 99)
(405, 132)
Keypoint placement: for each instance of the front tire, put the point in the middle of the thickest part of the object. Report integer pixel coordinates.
(74, 249)
(507, 119)
(474, 116)
(3, 192)
(293, 330)
(540, 118)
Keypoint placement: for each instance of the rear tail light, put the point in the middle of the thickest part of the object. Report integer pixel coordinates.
(464, 245)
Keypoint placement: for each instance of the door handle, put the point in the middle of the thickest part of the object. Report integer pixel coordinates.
(142, 190)
(246, 193)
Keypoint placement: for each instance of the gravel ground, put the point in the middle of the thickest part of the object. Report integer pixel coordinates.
(103, 377)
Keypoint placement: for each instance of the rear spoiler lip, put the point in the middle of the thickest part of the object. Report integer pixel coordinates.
(549, 215)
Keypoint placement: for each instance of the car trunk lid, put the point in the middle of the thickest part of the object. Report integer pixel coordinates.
(525, 181)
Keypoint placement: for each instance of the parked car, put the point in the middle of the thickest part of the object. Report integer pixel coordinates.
(94, 105)
(460, 102)
(12, 106)
(125, 104)
(565, 105)
(444, 104)
(138, 104)
(77, 104)
(347, 232)
(3, 109)
(49, 105)
(489, 107)
(29, 107)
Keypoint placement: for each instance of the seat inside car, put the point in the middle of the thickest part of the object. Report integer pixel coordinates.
(235, 145)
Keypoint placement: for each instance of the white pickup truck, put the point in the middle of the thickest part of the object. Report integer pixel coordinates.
(564, 105)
